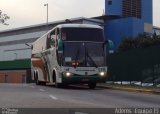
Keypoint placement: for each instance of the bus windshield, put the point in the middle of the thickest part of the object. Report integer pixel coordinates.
(82, 34)
(82, 54)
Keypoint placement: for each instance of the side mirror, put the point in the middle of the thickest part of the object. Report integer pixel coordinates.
(106, 42)
(60, 45)
(110, 44)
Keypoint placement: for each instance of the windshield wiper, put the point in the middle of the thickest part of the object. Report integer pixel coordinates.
(76, 57)
(93, 62)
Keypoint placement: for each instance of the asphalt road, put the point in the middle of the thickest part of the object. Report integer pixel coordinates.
(74, 97)
(33, 96)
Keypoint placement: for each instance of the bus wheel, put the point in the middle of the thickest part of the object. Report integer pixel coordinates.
(36, 78)
(43, 83)
(58, 85)
(92, 85)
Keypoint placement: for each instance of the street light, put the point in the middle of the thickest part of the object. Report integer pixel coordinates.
(47, 12)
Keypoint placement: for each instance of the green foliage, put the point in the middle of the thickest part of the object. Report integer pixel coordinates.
(141, 41)
(3, 18)
(126, 44)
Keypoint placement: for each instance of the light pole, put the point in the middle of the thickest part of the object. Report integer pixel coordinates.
(47, 13)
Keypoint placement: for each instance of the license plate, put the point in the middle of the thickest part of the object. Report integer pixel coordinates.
(85, 80)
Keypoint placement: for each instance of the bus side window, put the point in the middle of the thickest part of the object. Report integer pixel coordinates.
(48, 41)
(57, 34)
(53, 39)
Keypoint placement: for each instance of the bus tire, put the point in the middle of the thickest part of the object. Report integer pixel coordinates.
(92, 85)
(58, 85)
(34, 75)
(36, 78)
(43, 83)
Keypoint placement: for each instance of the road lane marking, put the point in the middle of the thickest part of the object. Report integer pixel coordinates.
(42, 90)
(80, 113)
(53, 97)
(33, 86)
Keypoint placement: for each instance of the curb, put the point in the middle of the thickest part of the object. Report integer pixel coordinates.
(130, 89)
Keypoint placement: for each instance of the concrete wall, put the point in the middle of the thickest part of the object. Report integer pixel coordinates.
(118, 29)
(13, 76)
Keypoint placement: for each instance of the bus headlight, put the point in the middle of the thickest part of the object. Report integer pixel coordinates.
(67, 74)
(102, 74)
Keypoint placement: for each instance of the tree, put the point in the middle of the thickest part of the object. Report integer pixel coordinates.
(3, 18)
(141, 41)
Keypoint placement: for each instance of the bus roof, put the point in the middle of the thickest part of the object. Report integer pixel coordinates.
(74, 26)
(69, 26)
(78, 26)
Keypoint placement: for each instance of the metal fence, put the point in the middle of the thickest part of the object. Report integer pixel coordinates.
(135, 65)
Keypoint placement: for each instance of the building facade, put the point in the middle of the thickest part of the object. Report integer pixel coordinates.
(135, 18)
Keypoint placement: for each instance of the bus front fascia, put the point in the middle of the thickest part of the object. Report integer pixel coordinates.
(71, 74)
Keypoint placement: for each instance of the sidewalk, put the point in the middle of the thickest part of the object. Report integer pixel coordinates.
(130, 88)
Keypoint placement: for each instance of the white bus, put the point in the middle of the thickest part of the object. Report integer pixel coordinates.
(70, 54)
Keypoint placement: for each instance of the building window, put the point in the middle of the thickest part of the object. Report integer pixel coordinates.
(131, 8)
(110, 2)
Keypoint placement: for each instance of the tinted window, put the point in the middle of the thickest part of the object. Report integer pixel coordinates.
(82, 34)
(86, 54)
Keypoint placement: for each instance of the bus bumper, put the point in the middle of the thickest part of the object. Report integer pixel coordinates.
(83, 79)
